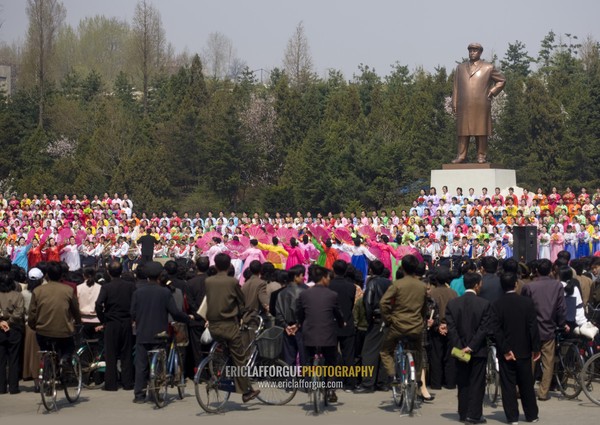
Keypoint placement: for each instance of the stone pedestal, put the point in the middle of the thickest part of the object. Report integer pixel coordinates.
(476, 176)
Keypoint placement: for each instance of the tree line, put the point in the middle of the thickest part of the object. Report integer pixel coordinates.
(109, 106)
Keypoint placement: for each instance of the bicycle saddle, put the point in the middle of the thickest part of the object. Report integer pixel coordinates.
(162, 335)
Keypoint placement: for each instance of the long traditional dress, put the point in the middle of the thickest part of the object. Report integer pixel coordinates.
(544, 243)
(296, 255)
(583, 244)
(570, 240)
(19, 256)
(249, 255)
(557, 244)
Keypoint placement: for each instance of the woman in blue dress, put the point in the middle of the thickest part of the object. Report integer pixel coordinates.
(19, 254)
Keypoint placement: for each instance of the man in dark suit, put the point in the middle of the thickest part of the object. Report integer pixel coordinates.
(113, 307)
(403, 308)
(346, 291)
(195, 292)
(147, 242)
(376, 333)
(468, 318)
(317, 312)
(225, 305)
(491, 289)
(150, 308)
(517, 339)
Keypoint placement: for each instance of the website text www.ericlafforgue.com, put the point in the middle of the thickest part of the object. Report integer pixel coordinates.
(301, 384)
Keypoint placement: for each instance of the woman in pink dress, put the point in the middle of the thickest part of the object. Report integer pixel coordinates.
(557, 243)
(250, 254)
(296, 255)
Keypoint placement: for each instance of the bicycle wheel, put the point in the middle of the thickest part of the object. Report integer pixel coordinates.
(569, 366)
(70, 378)
(492, 377)
(48, 381)
(317, 395)
(399, 379)
(274, 390)
(157, 385)
(590, 378)
(91, 375)
(410, 385)
(178, 379)
(212, 392)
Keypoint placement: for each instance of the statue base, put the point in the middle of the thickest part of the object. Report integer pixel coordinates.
(476, 176)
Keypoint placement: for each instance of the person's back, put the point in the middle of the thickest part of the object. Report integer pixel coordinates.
(224, 298)
(317, 308)
(547, 296)
(53, 310)
(491, 289)
(346, 292)
(255, 294)
(403, 305)
(149, 309)
(115, 300)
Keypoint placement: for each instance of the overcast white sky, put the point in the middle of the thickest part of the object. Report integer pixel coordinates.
(344, 33)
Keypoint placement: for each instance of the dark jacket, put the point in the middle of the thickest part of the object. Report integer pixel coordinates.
(285, 306)
(195, 293)
(114, 301)
(515, 326)
(376, 287)
(491, 289)
(255, 295)
(549, 300)
(319, 314)
(150, 309)
(468, 318)
(346, 291)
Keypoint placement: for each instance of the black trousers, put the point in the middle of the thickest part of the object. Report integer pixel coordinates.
(118, 345)
(65, 347)
(330, 355)
(346, 346)
(195, 334)
(10, 349)
(442, 369)
(370, 356)
(517, 374)
(293, 346)
(470, 379)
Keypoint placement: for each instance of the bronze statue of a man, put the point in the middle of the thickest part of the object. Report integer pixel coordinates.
(475, 83)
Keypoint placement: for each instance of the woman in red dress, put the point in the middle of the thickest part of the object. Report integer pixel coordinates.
(53, 251)
(34, 256)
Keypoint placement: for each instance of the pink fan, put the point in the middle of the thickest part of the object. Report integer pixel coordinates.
(269, 229)
(30, 236)
(368, 232)
(234, 249)
(64, 235)
(376, 251)
(80, 236)
(257, 233)
(285, 234)
(45, 236)
(319, 232)
(385, 231)
(403, 250)
(344, 256)
(343, 234)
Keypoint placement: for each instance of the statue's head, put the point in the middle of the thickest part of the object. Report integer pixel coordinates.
(475, 50)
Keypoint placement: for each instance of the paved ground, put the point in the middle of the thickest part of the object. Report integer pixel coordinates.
(100, 407)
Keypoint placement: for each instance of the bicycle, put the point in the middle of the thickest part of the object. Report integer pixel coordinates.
(93, 365)
(66, 372)
(165, 370)
(590, 376)
(213, 387)
(404, 386)
(317, 392)
(492, 374)
(568, 364)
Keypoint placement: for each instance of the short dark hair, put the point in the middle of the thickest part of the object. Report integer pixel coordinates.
(489, 264)
(255, 266)
(54, 271)
(410, 264)
(202, 264)
(222, 262)
(564, 254)
(376, 267)
(510, 265)
(171, 267)
(339, 268)
(297, 270)
(544, 267)
(471, 280)
(508, 281)
(320, 272)
(115, 268)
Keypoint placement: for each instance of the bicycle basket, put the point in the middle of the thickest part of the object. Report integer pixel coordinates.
(270, 342)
